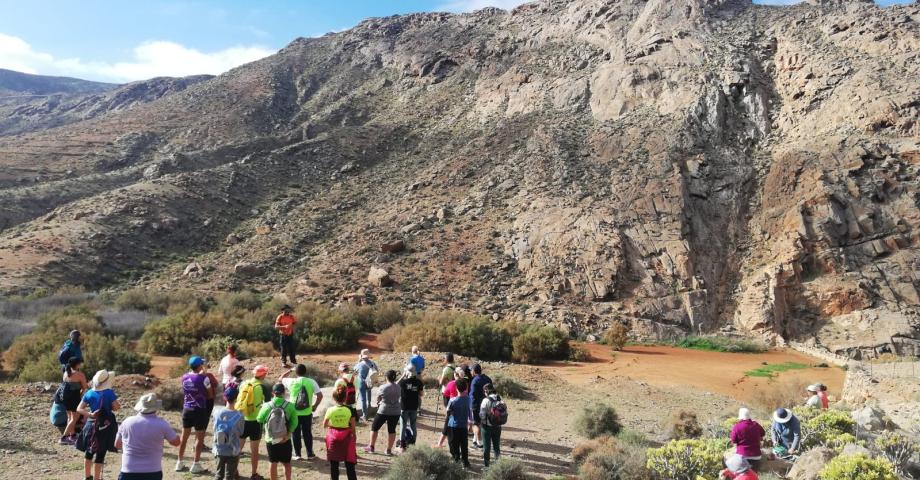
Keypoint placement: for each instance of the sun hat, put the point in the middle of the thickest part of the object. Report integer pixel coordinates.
(812, 388)
(343, 367)
(737, 464)
(148, 403)
(781, 415)
(195, 361)
(102, 380)
(260, 371)
(744, 414)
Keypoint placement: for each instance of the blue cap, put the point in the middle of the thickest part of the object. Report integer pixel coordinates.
(195, 361)
(231, 392)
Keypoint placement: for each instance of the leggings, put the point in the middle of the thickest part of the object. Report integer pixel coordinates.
(349, 470)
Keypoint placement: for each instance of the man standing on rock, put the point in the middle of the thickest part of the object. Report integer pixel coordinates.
(285, 326)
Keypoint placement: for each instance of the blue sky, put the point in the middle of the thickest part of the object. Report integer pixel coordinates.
(122, 41)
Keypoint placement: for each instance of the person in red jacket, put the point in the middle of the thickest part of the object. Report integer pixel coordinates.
(737, 469)
(747, 435)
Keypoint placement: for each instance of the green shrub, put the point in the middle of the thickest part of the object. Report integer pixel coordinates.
(508, 387)
(858, 467)
(632, 438)
(898, 449)
(161, 302)
(683, 424)
(596, 420)
(578, 354)
(617, 336)
(324, 330)
(112, 353)
(506, 469)
(386, 315)
(43, 368)
(687, 459)
(535, 344)
(34, 356)
(825, 428)
(61, 321)
(463, 333)
(215, 348)
(722, 344)
(422, 463)
(168, 336)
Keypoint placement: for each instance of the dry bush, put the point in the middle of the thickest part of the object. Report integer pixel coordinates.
(617, 336)
(584, 449)
(258, 349)
(596, 420)
(684, 424)
(784, 393)
(387, 338)
(607, 458)
(170, 392)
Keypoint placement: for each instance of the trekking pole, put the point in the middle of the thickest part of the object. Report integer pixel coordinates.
(437, 406)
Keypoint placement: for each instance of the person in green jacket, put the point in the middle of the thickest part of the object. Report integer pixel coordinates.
(279, 417)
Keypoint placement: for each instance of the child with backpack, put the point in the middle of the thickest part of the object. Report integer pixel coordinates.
(279, 417)
(458, 415)
(253, 393)
(228, 428)
(493, 413)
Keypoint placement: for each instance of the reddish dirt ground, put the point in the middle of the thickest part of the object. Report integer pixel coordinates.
(716, 372)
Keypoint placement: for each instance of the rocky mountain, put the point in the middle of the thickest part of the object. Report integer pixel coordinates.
(681, 165)
(34, 102)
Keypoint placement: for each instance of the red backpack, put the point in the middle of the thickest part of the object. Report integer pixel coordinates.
(351, 393)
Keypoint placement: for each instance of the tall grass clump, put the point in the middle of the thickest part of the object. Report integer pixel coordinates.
(423, 462)
(506, 469)
(596, 420)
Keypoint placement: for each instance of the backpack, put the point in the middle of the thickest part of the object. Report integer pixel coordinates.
(277, 422)
(64, 354)
(302, 402)
(222, 428)
(246, 403)
(58, 415)
(351, 394)
(59, 394)
(498, 413)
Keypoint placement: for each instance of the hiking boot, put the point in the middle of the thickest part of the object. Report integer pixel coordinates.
(197, 468)
(180, 467)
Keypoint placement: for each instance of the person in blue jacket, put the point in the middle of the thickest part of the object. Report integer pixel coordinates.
(70, 349)
(786, 433)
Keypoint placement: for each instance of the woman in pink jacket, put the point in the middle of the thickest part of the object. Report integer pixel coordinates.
(747, 435)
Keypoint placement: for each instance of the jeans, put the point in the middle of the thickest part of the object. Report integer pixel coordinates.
(459, 444)
(491, 437)
(408, 432)
(304, 430)
(227, 468)
(365, 397)
(287, 348)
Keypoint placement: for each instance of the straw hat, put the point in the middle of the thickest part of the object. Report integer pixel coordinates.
(102, 380)
(781, 415)
(148, 403)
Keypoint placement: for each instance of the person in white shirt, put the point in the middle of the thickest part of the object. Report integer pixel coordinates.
(814, 401)
(228, 363)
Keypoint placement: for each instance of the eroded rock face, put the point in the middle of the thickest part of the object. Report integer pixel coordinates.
(684, 166)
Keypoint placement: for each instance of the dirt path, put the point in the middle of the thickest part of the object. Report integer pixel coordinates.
(716, 372)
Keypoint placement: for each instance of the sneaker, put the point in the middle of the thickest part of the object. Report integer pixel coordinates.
(65, 440)
(180, 467)
(388, 453)
(477, 445)
(311, 456)
(197, 468)
(369, 449)
(296, 458)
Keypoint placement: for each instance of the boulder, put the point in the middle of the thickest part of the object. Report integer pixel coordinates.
(810, 464)
(395, 246)
(868, 418)
(248, 269)
(379, 277)
(192, 270)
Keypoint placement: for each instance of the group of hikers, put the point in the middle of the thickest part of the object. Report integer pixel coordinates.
(786, 433)
(280, 414)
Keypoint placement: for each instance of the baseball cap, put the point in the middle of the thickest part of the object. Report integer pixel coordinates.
(260, 371)
(195, 361)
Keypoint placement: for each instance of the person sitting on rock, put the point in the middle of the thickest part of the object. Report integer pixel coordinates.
(747, 435)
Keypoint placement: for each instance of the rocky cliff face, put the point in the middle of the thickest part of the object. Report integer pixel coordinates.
(684, 166)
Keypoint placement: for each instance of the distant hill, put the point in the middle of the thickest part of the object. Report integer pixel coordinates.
(13, 83)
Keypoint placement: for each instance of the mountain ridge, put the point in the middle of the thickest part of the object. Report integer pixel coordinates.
(686, 167)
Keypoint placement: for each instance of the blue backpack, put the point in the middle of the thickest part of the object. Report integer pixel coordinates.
(224, 425)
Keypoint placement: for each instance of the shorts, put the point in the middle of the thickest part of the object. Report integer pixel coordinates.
(252, 430)
(196, 418)
(98, 457)
(140, 476)
(280, 453)
(391, 421)
(476, 419)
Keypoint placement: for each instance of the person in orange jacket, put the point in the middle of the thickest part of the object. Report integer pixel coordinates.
(285, 326)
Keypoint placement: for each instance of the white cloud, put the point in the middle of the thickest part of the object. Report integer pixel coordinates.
(149, 59)
(472, 5)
